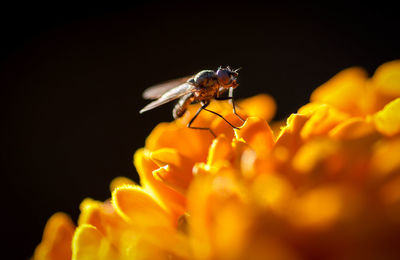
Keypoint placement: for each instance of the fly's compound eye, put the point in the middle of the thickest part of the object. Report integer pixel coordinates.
(223, 76)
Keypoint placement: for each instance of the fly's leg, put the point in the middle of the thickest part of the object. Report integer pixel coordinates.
(232, 101)
(233, 104)
(195, 116)
(215, 113)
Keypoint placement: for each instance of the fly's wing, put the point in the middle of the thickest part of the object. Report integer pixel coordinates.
(158, 90)
(170, 95)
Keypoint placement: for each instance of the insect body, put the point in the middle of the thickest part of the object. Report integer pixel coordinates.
(202, 87)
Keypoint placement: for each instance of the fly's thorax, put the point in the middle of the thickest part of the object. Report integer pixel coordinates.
(205, 78)
(207, 85)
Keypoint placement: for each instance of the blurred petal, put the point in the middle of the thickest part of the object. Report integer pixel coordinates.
(323, 118)
(387, 121)
(312, 154)
(272, 192)
(343, 91)
(386, 159)
(387, 78)
(57, 237)
(352, 128)
(318, 208)
(262, 106)
(220, 150)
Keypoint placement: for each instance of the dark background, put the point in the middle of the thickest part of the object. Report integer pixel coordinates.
(71, 78)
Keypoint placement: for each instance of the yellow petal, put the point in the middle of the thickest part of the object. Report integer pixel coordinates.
(387, 121)
(139, 208)
(89, 243)
(57, 237)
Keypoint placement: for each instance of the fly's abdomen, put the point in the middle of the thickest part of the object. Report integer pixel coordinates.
(181, 107)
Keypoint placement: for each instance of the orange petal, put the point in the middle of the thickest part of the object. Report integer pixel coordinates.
(57, 237)
(387, 121)
(261, 106)
(89, 243)
(257, 133)
(139, 208)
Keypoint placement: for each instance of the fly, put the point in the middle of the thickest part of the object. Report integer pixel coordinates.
(200, 88)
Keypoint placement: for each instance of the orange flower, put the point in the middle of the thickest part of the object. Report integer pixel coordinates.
(326, 185)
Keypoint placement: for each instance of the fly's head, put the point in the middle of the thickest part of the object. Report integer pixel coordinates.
(227, 78)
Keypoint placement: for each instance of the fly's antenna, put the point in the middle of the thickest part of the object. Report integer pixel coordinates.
(236, 70)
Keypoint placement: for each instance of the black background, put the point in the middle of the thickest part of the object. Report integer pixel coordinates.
(71, 78)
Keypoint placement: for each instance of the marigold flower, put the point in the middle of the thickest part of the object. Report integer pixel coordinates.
(324, 186)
